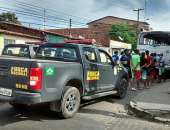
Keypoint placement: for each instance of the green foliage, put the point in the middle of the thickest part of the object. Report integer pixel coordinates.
(122, 32)
(9, 17)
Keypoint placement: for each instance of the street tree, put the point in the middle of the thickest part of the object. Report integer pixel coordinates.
(122, 32)
(9, 17)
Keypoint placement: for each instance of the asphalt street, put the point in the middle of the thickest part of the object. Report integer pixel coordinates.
(106, 113)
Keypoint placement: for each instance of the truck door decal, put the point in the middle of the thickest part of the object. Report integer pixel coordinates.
(93, 75)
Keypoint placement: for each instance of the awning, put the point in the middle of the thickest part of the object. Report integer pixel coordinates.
(160, 36)
(119, 45)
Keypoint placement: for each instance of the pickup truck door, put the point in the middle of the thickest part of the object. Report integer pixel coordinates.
(91, 72)
(106, 68)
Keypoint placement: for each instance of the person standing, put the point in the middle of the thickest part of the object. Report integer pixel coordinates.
(152, 71)
(157, 67)
(115, 57)
(135, 66)
(121, 55)
(148, 67)
(162, 62)
(143, 64)
(125, 61)
(161, 67)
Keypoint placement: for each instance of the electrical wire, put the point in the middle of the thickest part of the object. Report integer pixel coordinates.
(38, 8)
(24, 13)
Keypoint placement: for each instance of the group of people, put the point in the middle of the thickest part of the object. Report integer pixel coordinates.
(143, 68)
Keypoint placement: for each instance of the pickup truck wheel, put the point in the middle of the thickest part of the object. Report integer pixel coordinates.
(122, 88)
(70, 102)
(18, 106)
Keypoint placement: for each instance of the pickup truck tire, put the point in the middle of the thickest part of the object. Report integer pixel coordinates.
(18, 106)
(70, 102)
(122, 88)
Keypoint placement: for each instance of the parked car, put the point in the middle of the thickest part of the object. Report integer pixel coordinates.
(61, 75)
(20, 50)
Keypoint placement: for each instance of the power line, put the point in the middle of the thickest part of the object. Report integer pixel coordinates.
(39, 10)
(33, 23)
(36, 12)
(24, 4)
(48, 17)
(37, 20)
(25, 14)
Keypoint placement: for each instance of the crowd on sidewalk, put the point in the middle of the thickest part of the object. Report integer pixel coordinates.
(143, 68)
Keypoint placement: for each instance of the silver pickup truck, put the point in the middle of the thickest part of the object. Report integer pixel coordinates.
(61, 75)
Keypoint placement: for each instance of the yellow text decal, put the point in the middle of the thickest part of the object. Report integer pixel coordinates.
(21, 86)
(93, 75)
(20, 71)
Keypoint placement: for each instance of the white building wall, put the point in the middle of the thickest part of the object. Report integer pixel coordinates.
(18, 40)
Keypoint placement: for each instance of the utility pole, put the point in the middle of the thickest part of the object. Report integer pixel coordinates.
(70, 25)
(138, 18)
(145, 10)
(44, 17)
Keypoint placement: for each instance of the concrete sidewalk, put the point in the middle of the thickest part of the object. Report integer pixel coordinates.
(153, 103)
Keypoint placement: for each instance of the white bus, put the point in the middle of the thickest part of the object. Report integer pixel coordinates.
(155, 42)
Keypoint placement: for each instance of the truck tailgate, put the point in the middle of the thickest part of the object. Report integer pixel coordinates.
(13, 75)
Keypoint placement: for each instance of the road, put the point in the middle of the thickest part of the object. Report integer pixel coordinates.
(102, 114)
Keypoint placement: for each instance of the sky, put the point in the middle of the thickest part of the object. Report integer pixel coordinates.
(156, 13)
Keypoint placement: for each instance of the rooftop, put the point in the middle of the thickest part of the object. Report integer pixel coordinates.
(97, 20)
(5, 30)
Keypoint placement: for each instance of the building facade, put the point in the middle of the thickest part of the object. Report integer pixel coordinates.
(18, 34)
(99, 29)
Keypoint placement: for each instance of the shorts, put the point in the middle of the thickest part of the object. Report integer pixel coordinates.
(148, 70)
(144, 74)
(152, 73)
(137, 74)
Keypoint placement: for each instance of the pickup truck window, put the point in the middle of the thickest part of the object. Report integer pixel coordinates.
(104, 58)
(90, 54)
(65, 53)
(16, 51)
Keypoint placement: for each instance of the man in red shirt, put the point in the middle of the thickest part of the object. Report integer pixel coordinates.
(149, 63)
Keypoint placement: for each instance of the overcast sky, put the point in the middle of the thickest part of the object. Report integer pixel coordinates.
(157, 11)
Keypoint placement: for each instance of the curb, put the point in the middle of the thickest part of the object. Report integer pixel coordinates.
(145, 114)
